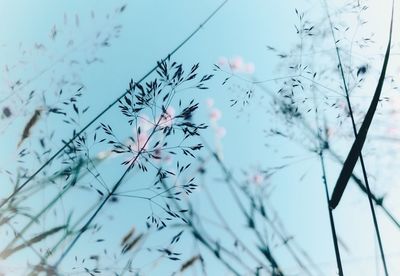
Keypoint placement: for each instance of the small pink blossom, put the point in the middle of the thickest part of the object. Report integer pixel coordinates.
(145, 123)
(222, 61)
(167, 117)
(215, 114)
(141, 136)
(250, 68)
(141, 139)
(210, 102)
(103, 155)
(330, 132)
(141, 142)
(392, 130)
(220, 132)
(236, 64)
(161, 157)
(257, 178)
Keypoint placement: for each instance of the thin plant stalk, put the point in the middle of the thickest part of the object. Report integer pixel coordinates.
(378, 201)
(354, 153)
(105, 110)
(321, 148)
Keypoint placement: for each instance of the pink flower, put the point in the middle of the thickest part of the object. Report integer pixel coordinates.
(250, 68)
(104, 155)
(210, 102)
(392, 130)
(215, 115)
(145, 124)
(161, 157)
(330, 132)
(257, 178)
(222, 61)
(141, 144)
(220, 132)
(236, 64)
(167, 117)
(141, 140)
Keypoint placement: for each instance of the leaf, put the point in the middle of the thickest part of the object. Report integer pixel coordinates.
(29, 126)
(32, 241)
(75, 108)
(189, 262)
(130, 245)
(177, 237)
(358, 144)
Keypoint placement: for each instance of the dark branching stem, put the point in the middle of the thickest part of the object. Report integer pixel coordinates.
(264, 249)
(378, 200)
(111, 193)
(356, 149)
(228, 228)
(47, 207)
(215, 250)
(69, 231)
(331, 220)
(321, 146)
(105, 110)
(90, 220)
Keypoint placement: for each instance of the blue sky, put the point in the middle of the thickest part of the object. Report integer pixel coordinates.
(151, 29)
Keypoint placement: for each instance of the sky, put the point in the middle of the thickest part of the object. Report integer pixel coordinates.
(147, 32)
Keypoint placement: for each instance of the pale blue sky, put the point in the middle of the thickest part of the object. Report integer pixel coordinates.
(150, 29)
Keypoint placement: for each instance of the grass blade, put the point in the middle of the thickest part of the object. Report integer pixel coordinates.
(32, 241)
(358, 144)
